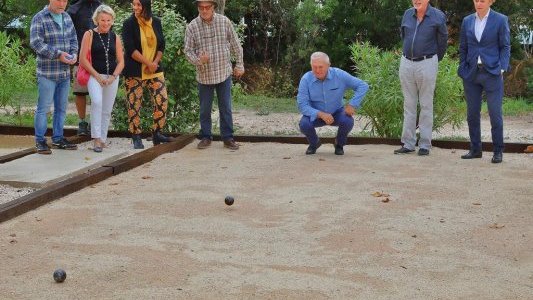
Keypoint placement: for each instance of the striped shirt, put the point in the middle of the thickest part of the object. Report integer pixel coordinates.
(219, 39)
(49, 40)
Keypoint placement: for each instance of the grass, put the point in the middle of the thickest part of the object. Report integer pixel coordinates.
(515, 107)
(26, 98)
(26, 119)
(512, 107)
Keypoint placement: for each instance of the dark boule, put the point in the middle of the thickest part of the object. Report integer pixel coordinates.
(60, 275)
(229, 200)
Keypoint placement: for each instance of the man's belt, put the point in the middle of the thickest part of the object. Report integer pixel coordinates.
(420, 58)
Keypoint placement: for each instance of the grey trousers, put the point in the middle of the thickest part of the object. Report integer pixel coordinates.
(418, 86)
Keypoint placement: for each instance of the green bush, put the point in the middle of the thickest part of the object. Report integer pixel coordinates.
(183, 106)
(17, 69)
(383, 104)
(262, 79)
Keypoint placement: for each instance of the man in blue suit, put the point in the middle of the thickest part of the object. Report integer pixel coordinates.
(484, 51)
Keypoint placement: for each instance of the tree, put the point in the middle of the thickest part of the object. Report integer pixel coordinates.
(220, 6)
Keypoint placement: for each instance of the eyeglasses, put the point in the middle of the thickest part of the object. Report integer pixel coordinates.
(205, 7)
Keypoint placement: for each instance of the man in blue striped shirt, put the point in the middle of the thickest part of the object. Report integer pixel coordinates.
(321, 101)
(53, 37)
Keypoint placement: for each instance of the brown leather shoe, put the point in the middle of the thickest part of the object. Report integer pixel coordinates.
(204, 143)
(230, 144)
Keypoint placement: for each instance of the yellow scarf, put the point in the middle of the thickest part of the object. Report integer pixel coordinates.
(148, 45)
(147, 30)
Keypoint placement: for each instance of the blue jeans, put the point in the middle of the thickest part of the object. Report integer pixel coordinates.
(341, 119)
(493, 87)
(206, 92)
(56, 92)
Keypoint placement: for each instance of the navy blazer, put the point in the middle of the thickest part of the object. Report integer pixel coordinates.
(494, 48)
(131, 37)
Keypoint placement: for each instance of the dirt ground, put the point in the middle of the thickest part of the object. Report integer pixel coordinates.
(302, 227)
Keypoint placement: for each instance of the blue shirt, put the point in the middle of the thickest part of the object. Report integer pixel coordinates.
(49, 40)
(58, 19)
(327, 95)
(427, 37)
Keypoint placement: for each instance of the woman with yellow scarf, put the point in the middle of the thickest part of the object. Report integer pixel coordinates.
(144, 45)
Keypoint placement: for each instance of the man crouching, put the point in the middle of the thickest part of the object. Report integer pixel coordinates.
(320, 100)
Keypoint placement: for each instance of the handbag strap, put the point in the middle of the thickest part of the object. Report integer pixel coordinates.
(90, 44)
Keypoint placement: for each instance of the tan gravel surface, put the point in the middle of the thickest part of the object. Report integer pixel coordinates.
(302, 227)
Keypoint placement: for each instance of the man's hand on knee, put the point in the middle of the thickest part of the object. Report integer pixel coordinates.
(327, 118)
(349, 110)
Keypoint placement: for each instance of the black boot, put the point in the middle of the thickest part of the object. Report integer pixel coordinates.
(158, 138)
(137, 141)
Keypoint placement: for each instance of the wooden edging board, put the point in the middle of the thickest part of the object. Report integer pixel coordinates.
(445, 144)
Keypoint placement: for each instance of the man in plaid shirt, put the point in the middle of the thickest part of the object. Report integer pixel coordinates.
(53, 37)
(210, 40)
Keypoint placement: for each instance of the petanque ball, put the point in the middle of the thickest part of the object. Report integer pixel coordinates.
(60, 275)
(229, 200)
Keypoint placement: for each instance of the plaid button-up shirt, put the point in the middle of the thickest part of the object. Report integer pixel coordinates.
(219, 39)
(49, 40)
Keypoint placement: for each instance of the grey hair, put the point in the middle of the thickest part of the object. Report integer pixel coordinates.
(320, 55)
(102, 9)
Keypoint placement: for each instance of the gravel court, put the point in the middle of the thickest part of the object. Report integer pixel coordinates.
(301, 227)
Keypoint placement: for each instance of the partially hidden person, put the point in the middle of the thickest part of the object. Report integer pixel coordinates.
(81, 14)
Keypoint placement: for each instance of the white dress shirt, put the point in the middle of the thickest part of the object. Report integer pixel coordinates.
(479, 28)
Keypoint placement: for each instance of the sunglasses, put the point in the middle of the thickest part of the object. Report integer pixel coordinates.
(205, 7)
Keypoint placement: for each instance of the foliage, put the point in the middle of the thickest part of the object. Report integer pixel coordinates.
(518, 11)
(519, 81)
(376, 21)
(514, 107)
(26, 118)
(310, 19)
(529, 88)
(179, 75)
(269, 81)
(383, 104)
(18, 70)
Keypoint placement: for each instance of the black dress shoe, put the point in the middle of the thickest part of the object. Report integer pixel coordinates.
(403, 150)
(472, 154)
(339, 150)
(312, 149)
(497, 158)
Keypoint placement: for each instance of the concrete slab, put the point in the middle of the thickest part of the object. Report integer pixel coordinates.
(38, 170)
